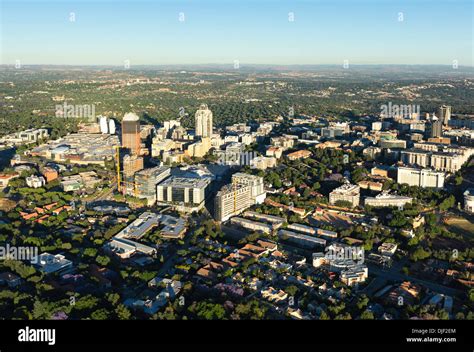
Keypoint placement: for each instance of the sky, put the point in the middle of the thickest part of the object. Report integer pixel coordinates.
(279, 32)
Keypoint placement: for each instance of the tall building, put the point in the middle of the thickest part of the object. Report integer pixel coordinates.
(131, 133)
(231, 200)
(131, 164)
(203, 119)
(435, 128)
(444, 114)
(257, 191)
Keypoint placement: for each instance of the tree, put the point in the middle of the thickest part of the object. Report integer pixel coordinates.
(367, 315)
(123, 313)
(102, 260)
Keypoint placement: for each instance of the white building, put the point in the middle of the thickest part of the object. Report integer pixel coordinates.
(49, 263)
(347, 192)
(258, 193)
(420, 177)
(203, 120)
(385, 199)
(469, 200)
(34, 181)
(182, 190)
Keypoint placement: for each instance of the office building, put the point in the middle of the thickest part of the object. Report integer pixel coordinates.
(231, 200)
(183, 190)
(257, 192)
(425, 178)
(251, 225)
(146, 181)
(203, 120)
(131, 133)
(435, 128)
(444, 114)
(385, 199)
(49, 263)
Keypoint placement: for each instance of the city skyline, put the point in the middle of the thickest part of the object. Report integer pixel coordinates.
(236, 33)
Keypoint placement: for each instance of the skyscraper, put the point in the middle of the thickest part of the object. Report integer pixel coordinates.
(444, 114)
(203, 119)
(131, 133)
(435, 128)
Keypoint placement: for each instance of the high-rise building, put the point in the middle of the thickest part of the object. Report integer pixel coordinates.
(444, 114)
(131, 164)
(435, 128)
(203, 119)
(131, 133)
(257, 191)
(231, 200)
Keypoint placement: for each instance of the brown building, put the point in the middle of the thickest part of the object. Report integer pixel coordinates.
(131, 133)
(50, 174)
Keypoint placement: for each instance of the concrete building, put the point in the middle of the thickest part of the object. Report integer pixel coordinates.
(183, 190)
(420, 177)
(444, 114)
(203, 120)
(199, 149)
(469, 200)
(347, 192)
(34, 181)
(32, 135)
(300, 239)
(71, 183)
(49, 263)
(385, 199)
(131, 164)
(231, 200)
(263, 162)
(257, 191)
(275, 221)
(251, 225)
(146, 181)
(393, 143)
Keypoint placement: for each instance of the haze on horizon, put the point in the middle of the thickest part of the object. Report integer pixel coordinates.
(266, 32)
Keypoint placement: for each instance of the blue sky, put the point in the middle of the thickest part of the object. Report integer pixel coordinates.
(146, 32)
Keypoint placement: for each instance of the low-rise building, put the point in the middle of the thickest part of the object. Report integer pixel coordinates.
(300, 154)
(425, 178)
(385, 199)
(34, 181)
(346, 192)
(469, 200)
(49, 263)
